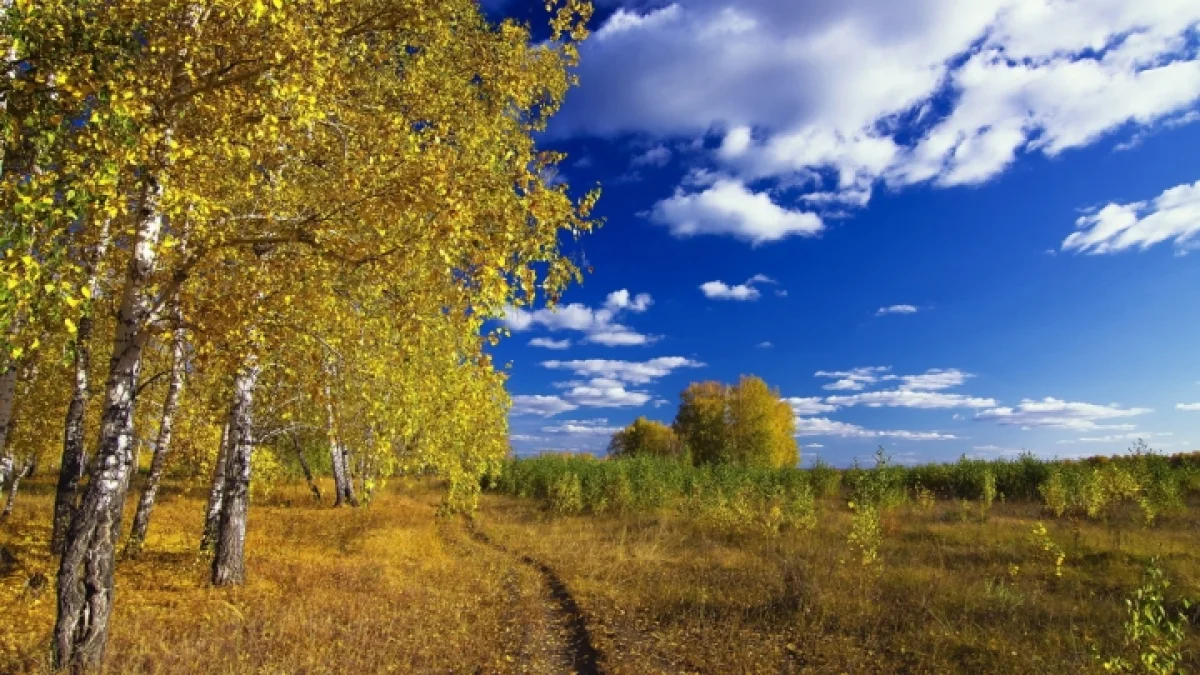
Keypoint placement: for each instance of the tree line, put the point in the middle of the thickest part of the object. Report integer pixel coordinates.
(747, 423)
(234, 224)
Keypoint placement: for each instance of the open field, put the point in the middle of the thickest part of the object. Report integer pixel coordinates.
(392, 587)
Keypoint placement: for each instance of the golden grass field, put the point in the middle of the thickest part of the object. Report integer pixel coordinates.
(393, 588)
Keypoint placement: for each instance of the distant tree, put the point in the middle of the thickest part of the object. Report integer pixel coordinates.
(645, 438)
(702, 424)
(747, 423)
(761, 425)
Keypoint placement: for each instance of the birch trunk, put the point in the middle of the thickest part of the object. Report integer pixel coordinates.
(216, 493)
(17, 477)
(308, 475)
(337, 459)
(162, 446)
(347, 477)
(229, 564)
(85, 574)
(8, 397)
(74, 455)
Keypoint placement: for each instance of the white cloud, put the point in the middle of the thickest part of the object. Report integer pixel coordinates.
(914, 391)
(811, 405)
(729, 208)
(623, 299)
(596, 427)
(719, 290)
(599, 326)
(525, 438)
(1191, 407)
(606, 393)
(659, 155)
(549, 343)
(765, 345)
(853, 380)
(896, 309)
(1116, 438)
(934, 379)
(633, 372)
(546, 406)
(1173, 216)
(814, 445)
(1058, 414)
(992, 449)
(835, 97)
(823, 426)
(907, 398)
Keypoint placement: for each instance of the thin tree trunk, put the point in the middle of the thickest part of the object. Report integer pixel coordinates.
(74, 455)
(162, 446)
(8, 397)
(85, 574)
(229, 564)
(15, 485)
(308, 475)
(337, 457)
(347, 478)
(216, 493)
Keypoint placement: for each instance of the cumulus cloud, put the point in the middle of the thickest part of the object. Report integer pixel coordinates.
(550, 343)
(934, 379)
(1172, 216)
(914, 391)
(823, 426)
(1191, 407)
(831, 98)
(991, 450)
(545, 406)
(599, 326)
(1055, 413)
(605, 393)
(525, 438)
(659, 155)
(853, 380)
(595, 427)
(907, 398)
(719, 290)
(728, 207)
(896, 309)
(1116, 438)
(811, 405)
(633, 372)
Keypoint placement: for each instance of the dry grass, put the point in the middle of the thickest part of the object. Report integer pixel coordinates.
(665, 595)
(390, 587)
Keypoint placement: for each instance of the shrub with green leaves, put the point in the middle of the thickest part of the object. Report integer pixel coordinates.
(1154, 635)
(566, 495)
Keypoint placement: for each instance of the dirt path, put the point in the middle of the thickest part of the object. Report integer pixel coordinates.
(567, 632)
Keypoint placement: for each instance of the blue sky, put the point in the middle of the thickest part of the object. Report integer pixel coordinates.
(951, 228)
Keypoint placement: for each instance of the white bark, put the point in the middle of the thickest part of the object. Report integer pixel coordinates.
(216, 493)
(74, 455)
(85, 575)
(162, 446)
(8, 397)
(343, 490)
(229, 564)
(18, 476)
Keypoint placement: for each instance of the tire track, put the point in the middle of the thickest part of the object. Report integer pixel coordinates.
(578, 650)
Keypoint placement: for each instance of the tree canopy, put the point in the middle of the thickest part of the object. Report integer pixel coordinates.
(746, 423)
(645, 437)
(282, 225)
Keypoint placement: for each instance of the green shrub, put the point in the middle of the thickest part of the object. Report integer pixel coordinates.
(566, 495)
